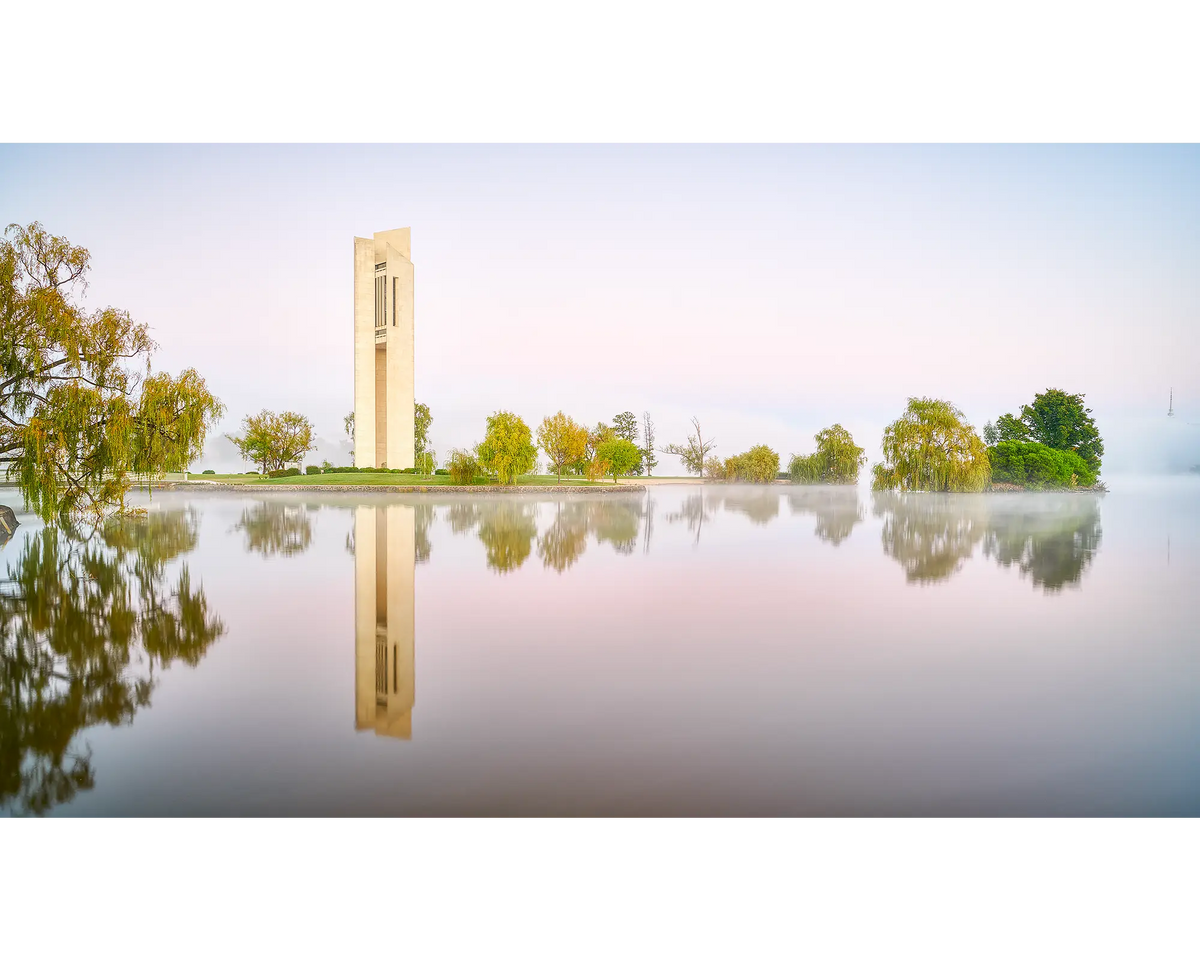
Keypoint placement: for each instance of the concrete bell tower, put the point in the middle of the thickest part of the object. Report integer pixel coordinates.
(383, 350)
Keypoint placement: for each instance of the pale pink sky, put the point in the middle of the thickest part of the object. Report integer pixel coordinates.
(770, 290)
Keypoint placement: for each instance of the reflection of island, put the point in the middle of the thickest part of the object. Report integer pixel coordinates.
(384, 619)
(1052, 541)
(931, 535)
(836, 508)
(276, 528)
(1051, 537)
(84, 627)
(761, 506)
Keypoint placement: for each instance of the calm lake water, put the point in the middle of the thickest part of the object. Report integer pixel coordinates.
(689, 651)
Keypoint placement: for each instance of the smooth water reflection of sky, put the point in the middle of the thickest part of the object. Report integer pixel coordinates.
(693, 650)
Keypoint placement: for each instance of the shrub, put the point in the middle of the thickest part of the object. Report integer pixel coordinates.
(1036, 466)
(311, 470)
(409, 470)
(759, 464)
(208, 471)
(463, 466)
(441, 472)
(289, 472)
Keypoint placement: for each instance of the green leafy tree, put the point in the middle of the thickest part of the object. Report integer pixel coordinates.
(649, 460)
(274, 439)
(694, 453)
(1009, 427)
(80, 409)
(932, 447)
(422, 420)
(625, 426)
(621, 455)
(1059, 420)
(507, 450)
(837, 460)
(563, 440)
(86, 626)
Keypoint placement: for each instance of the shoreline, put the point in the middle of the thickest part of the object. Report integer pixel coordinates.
(389, 488)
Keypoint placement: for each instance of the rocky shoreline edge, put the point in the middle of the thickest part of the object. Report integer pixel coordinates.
(257, 488)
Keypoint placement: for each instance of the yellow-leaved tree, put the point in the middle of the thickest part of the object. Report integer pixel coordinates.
(80, 409)
(564, 441)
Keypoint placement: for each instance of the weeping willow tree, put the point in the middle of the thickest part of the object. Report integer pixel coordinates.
(932, 447)
(837, 460)
(80, 410)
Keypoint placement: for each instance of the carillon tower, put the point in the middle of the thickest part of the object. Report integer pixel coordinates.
(383, 350)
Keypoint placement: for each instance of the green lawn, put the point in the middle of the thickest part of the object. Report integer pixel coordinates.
(382, 479)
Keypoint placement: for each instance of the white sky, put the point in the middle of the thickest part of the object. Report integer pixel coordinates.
(769, 290)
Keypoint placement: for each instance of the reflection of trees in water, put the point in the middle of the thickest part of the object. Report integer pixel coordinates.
(693, 511)
(507, 530)
(1051, 541)
(84, 626)
(1051, 538)
(761, 506)
(566, 538)
(462, 517)
(611, 521)
(616, 522)
(931, 535)
(422, 518)
(836, 508)
(276, 528)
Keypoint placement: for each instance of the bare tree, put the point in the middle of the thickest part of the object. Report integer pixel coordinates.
(694, 452)
(649, 460)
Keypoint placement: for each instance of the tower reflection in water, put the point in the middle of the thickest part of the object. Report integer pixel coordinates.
(384, 619)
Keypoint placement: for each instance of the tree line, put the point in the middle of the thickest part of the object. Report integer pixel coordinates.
(82, 414)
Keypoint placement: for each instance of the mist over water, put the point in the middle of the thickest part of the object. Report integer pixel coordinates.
(697, 649)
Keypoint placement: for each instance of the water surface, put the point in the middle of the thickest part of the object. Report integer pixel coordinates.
(689, 651)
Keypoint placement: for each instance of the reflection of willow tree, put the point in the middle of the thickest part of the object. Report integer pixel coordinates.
(610, 521)
(761, 506)
(507, 530)
(276, 528)
(84, 626)
(931, 535)
(836, 508)
(1051, 540)
(422, 518)
(693, 511)
(462, 517)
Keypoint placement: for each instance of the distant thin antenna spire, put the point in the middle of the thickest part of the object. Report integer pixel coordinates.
(1171, 405)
